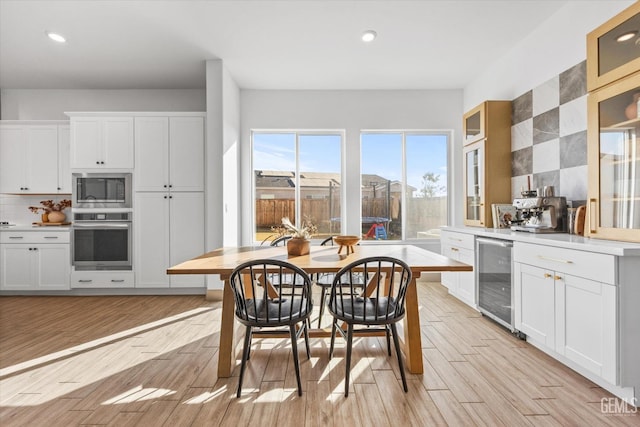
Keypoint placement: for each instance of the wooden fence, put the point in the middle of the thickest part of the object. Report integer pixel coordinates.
(421, 214)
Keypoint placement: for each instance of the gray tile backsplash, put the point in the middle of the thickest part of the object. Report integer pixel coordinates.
(549, 136)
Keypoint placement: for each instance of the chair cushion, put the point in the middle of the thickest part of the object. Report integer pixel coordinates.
(363, 310)
(280, 311)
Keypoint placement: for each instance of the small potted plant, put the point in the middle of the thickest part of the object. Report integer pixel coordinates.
(299, 243)
(52, 212)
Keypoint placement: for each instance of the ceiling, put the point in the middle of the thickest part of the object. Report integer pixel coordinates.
(294, 44)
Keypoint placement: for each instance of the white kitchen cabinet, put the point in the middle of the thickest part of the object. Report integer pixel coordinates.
(102, 142)
(29, 158)
(64, 159)
(460, 247)
(566, 305)
(170, 230)
(34, 261)
(169, 153)
(102, 279)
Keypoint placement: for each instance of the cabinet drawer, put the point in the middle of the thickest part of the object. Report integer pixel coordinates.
(456, 240)
(34, 237)
(102, 279)
(598, 267)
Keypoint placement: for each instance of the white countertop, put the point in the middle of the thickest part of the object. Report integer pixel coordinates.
(560, 240)
(29, 227)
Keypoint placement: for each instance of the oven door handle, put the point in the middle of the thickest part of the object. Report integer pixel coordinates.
(495, 242)
(101, 225)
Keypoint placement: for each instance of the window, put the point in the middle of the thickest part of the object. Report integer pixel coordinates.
(403, 184)
(297, 175)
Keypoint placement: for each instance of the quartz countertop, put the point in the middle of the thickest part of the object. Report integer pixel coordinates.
(30, 227)
(560, 240)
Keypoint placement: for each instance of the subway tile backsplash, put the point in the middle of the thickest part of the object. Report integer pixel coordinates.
(549, 136)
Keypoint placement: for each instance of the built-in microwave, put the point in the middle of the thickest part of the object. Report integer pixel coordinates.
(101, 190)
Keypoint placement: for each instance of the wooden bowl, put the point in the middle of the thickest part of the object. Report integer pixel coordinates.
(346, 241)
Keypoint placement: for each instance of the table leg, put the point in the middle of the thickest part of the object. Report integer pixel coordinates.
(412, 337)
(227, 325)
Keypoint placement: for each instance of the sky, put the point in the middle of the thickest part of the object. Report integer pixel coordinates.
(381, 154)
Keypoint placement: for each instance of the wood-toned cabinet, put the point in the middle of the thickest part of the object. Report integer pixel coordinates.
(101, 142)
(612, 49)
(613, 128)
(34, 158)
(486, 161)
(34, 261)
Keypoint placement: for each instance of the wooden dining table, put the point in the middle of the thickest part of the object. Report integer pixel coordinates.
(321, 259)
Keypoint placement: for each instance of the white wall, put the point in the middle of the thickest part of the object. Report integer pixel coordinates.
(556, 45)
(50, 104)
(231, 159)
(352, 111)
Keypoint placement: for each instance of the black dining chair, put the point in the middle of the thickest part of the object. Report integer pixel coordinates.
(325, 280)
(265, 305)
(381, 305)
(280, 241)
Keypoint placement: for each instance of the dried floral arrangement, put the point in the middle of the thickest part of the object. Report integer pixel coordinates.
(305, 231)
(48, 206)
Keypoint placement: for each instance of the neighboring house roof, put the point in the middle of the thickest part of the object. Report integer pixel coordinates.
(270, 178)
(287, 174)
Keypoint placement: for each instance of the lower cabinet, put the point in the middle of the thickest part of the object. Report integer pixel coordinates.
(460, 247)
(565, 314)
(33, 264)
(101, 279)
(169, 229)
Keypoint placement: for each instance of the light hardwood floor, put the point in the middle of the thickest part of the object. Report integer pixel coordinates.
(151, 361)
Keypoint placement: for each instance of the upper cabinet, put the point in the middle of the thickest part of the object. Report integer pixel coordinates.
(34, 158)
(169, 153)
(613, 128)
(613, 49)
(101, 142)
(487, 160)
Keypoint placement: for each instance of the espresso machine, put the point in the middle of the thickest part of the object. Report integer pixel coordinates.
(540, 214)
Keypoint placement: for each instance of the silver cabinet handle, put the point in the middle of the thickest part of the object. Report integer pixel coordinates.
(16, 237)
(50, 237)
(117, 280)
(85, 281)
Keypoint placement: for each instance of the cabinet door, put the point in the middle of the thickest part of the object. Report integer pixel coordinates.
(42, 159)
(586, 324)
(64, 160)
(535, 303)
(473, 124)
(152, 153)
(16, 261)
(614, 162)
(186, 141)
(151, 240)
(86, 144)
(117, 140)
(466, 280)
(13, 158)
(187, 234)
(474, 212)
(51, 266)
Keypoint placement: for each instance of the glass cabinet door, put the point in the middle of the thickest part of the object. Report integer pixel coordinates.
(613, 49)
(473, 124)
(614, 161)
(474, 183)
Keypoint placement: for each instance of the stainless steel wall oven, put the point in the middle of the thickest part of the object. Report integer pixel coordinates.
(102, 241)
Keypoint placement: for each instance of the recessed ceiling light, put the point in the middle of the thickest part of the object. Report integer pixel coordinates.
(55, 37)
(627, 36)
(369, 36)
